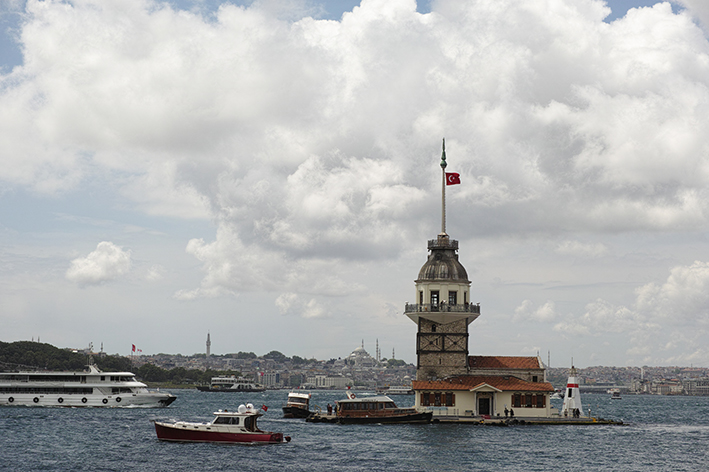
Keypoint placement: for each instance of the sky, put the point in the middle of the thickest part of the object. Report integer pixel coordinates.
(268, 172)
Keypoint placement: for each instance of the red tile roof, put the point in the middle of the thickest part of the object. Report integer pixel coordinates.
(503, 362)
(469, 382)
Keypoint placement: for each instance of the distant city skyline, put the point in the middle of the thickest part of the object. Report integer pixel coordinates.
(267, 171)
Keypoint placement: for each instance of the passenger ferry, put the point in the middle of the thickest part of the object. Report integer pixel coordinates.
(232, 384)
(89, 388)
(226, 427)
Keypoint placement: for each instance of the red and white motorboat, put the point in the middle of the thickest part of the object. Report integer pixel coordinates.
(227, 427)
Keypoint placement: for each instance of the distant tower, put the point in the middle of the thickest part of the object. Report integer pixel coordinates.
(443, 310)
(209, 345)
(393, 355)
(376, 353)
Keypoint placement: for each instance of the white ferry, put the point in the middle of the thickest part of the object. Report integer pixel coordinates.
(232, 384)
(89, 388)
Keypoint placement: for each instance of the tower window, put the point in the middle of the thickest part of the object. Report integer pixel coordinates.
(452, 298)
(434, 297)
(421, 297)
(433, 328)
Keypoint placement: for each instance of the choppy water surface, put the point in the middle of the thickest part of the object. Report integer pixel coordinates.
(665, 433)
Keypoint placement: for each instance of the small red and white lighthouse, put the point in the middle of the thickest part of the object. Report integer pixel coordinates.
(572, 399)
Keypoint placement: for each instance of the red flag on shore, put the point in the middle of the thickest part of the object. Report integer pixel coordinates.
(452, 178)
(133, 347)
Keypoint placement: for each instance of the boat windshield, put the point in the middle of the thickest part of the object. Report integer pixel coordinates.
(226, 420)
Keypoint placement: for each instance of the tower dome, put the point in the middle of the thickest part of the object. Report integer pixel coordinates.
(442, 263)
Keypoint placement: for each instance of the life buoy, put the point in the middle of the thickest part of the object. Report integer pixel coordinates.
(10, 400)
(84, 400)
(60, 400)
(105, 400)
(35, 399)
(118, 399)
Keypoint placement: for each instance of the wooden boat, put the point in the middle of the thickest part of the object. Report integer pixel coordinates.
(297, 405)
(227, 427)
(377, 409)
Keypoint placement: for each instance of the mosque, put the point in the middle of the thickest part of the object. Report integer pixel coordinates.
(448, 379)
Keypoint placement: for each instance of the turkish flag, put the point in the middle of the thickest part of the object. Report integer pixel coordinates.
(452, 178)
(133, 347)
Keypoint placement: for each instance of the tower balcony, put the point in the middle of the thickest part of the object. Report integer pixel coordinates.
(442, 308)
(443, 243)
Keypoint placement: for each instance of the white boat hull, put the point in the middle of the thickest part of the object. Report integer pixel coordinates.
(128, 400)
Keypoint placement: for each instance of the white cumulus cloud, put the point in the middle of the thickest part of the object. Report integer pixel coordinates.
(106, 263)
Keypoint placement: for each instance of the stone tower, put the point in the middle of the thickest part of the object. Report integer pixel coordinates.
(442, 310)
(209, 346)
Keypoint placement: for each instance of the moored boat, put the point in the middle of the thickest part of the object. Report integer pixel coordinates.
(377, 409)
(227, 427)
(297, 405)
(78, 389)
(232, 384)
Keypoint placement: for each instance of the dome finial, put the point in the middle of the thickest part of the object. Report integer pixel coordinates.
(443, 156)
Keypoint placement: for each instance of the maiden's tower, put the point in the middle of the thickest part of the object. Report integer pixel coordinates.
(456, 384)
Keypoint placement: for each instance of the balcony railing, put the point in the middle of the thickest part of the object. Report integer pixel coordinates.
(443, 243)
(443, 307)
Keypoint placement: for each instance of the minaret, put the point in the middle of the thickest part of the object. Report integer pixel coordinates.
(572, 397)
(209, 345)
(443, 310)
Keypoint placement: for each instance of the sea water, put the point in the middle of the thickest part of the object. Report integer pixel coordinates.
(663, 433)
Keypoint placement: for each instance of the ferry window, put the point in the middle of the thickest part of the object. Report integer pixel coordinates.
(103, 378)
(221, 420)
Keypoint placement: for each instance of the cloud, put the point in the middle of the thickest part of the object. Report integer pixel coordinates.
(106, 263)
(543, 313)
(313, 146)
(699, 9)
(667, 324)
(577, 248)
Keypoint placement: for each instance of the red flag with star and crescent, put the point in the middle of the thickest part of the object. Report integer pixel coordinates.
(452, 178)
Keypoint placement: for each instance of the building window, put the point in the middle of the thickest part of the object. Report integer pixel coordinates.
(424, 399)
(517, 400)
(535, 378)
(450, 399)
(541, 400)
(437, 399)
(421, 297)
(528, 400)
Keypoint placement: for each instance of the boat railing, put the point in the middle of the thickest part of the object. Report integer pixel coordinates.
(442, 307)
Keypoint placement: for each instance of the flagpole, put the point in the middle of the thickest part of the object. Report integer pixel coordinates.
(443, 189)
